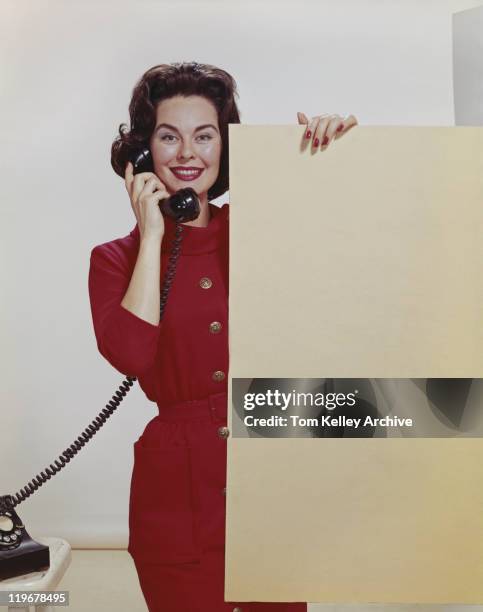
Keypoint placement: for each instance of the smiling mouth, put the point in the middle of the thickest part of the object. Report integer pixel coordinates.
(186, 174)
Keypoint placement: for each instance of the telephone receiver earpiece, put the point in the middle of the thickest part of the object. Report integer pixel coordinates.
(183, 205)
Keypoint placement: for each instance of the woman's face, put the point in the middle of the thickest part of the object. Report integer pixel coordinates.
(186, 144)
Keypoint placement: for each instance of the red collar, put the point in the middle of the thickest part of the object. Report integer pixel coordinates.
(196, 240)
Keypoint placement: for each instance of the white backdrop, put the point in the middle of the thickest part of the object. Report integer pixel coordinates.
(67, 72)
(468, 66)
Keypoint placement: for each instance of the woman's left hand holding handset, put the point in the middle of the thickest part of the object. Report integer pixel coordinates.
(321, 130)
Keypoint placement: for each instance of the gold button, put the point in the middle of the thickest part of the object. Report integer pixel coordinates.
(218, 375)
(215, 327)
(237, 610)
(223, 432)
(205, 282)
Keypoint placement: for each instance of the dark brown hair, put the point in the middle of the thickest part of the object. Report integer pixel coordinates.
(165, 81)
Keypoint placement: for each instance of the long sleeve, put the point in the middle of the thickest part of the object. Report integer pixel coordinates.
(128, 342)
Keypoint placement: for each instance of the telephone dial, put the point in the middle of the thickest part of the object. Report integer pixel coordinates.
(19, 553)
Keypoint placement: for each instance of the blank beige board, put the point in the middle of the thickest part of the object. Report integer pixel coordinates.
(360, 261)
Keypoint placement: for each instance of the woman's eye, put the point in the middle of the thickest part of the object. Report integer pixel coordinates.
(172, 138)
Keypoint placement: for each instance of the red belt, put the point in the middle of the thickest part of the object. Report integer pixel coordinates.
(214, 405)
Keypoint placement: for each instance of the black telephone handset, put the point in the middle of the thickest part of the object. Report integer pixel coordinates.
(182, 205)
(19, 553)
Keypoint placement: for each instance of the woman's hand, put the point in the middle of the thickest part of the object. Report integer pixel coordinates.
(145, 192)
(323, 129)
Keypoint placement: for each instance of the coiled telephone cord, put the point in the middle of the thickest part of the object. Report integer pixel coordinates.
(10, 501)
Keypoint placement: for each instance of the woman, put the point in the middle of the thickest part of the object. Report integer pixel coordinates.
(181, 113)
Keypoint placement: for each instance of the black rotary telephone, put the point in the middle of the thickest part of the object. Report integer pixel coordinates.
(19, 553)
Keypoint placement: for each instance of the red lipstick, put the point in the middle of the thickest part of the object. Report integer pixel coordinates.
(186, 173)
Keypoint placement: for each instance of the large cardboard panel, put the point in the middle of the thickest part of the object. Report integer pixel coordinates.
(360, 261)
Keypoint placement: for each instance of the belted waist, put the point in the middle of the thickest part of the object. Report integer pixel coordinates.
(214, 405)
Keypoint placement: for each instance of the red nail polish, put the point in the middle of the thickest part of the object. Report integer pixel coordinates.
(340, 127)
(316, 142)
(326, 140)
(308, 134)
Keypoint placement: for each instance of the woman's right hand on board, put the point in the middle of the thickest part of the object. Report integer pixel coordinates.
(145, 192)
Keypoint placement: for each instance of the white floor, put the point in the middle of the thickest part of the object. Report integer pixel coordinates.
(102, 580)
(106, 580)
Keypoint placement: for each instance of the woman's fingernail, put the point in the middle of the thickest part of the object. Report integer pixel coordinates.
(316, 142)
(326, 140)
(308, 134)
(339, 129)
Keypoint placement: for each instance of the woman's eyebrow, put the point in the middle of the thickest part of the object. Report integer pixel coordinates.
(175, 129)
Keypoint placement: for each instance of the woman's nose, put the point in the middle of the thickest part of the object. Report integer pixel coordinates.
(185, 151)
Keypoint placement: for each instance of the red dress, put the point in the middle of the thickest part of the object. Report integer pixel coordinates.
(178, 484)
